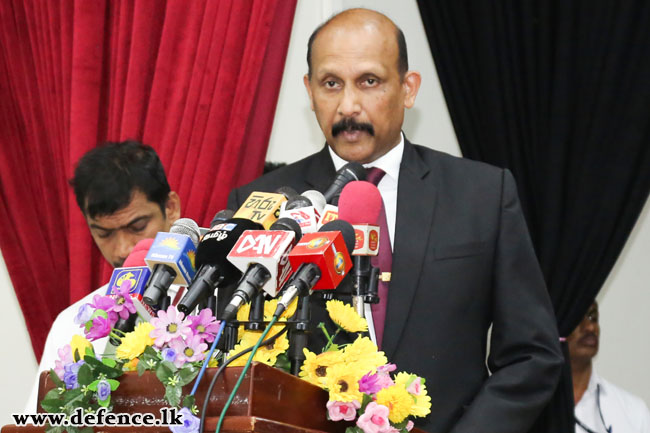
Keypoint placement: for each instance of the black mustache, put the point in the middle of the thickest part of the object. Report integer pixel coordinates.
(349, 124)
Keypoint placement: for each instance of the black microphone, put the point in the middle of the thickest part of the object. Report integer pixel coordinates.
(221, 216)
(213, 267)
(349, 172)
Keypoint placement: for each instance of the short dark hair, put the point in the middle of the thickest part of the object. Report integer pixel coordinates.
(107, 176)
(402, 53)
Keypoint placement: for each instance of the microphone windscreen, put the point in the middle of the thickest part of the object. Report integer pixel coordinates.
(187, 227)
(360, 203)
(142, 245)
(288, 224)
(218, 242)
(317, 199)
(298, 202)
(287, 191)
(221, 216)
(346, 230)
(136, 258)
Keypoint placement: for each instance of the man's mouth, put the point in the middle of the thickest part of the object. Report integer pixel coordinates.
(590, 340)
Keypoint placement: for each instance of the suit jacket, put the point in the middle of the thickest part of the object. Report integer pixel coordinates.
(462, 262)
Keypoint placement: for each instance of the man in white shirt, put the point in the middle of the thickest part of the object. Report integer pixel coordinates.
(601, 407)
(123, 192)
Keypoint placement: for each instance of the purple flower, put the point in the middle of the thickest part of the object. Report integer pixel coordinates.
(100, 328)
(103, 390)
(374, 419)
(190, 422)
(339, 410)
(123, 303)
(169, 325)
(188, 350)
(83, 314)
(205, 325)
(168, 354)
(105, 303)
(65, 358)
(70, 372)
(372, 383)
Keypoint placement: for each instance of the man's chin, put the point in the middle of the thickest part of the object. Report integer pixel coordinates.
(361, 152)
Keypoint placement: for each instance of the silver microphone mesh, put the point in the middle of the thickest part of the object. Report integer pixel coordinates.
(187, 227)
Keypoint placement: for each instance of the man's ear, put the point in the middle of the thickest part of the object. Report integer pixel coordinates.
(173, 207)
(307, 82)
(411, 85)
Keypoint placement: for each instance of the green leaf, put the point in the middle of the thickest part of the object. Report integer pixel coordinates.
(141, 367)
(51, 405)
(282, 362)
(109, 362)
(85, 375)
(53, 394)
(104, 403)
(99, 367)
(93, 386)
(365, 401)
(188, 401)
(55, 378)
(72, 395)
(333, 348)
(164, 372)
(187, 374)
(353, 429)
(51, 429)
(87, 430)
(113, 383)
(89, 351)
(173, 395)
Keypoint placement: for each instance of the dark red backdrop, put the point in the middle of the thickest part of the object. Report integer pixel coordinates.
(197, 80)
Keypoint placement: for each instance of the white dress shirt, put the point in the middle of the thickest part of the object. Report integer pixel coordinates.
(390, 163)
(622, 411)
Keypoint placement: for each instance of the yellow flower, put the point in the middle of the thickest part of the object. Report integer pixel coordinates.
(242, 316)
(343, 383)
(134, 343)
(363, 352)
(345, 316)
(398, 400)
(213, 362)
(413, 384)
(315, 367)
(132, 365)
(272, 304)
(78, 347)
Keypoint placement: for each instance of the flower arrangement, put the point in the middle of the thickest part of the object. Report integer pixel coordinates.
(358, 379)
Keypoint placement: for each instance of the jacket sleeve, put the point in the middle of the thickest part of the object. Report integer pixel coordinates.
(524, 358)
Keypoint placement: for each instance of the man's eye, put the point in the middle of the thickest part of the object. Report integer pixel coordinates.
(330, 84)
(138, 228)
(371, 81)
(104, 235)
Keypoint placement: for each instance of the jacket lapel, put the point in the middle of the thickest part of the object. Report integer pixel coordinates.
(416, 198)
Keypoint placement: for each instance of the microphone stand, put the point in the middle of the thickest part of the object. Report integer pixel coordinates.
(299, 335)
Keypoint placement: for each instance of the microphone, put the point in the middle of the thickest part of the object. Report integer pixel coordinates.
(361, 205)
(221, 216)
(263, 257)
(213, 267)
(321, 261)
(349, 172)
(263, 207)
(304, 210)
(287, 191)
(171, 257)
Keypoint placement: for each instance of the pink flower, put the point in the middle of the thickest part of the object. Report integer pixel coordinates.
(105, 303)
(339, 410)
(188, 350)
(169, 325)
(123, 303)
(415, 387)
(65, 358)
(100, 328)
(409, 425)
(385, 369)
(374, 419)
(205, 325)
(373, 383)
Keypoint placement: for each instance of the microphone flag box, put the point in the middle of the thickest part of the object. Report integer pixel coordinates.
(328, 251)
(366, 240)
(330, 213)
(262, 208)
(269, 248)
(137, 278)
(176, 251)
(306, 217)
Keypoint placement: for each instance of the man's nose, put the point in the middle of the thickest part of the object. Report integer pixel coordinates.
(349, 105)
(125, 244)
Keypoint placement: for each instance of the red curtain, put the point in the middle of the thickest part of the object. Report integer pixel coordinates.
(197, 80)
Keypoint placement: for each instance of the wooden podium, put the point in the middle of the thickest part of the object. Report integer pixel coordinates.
(268, 401)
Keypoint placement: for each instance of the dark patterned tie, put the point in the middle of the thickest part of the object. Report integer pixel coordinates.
(383, 260)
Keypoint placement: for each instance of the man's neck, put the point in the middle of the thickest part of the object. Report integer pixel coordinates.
(581, 373)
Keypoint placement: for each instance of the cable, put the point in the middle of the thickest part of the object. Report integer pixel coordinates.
(204, 409)
(208, 357)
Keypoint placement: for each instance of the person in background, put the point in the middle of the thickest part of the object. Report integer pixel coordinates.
(123, 193)
(601, 407)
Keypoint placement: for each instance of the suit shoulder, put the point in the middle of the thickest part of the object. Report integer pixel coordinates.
(455, 166)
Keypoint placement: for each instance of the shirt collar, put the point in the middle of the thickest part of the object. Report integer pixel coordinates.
(389, 162)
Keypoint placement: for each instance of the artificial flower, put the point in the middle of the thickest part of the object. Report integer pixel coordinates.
(103, 390)
(65, 358)
(123, 302)
(272, 304)
(168, 354)
(205, 325)
(342, 382)
(105, 303)
(338, 410)
(364, 355)
(70, 372)
(416, 387)
(314, 368)
(78, 346)
(189, 350)
(99, 328)
(398, 400)
(132, 365)
(374, 419)
(190, 423)
(134, 343)
(269, 352)
(345, 316)
(83, 314)
(169, 325)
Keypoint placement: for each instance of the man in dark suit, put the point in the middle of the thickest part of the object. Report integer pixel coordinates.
(462, 257)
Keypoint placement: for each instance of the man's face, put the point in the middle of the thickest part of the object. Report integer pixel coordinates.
(117, 234)
(583, 341)
(356, 90)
